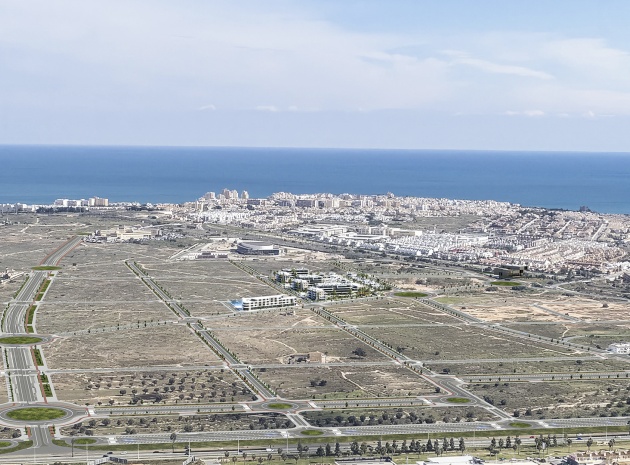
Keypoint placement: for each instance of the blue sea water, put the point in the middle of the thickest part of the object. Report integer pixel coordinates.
(40, 174)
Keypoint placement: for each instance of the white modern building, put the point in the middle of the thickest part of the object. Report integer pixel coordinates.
(257, 248)
(620, 348)
(268, 301)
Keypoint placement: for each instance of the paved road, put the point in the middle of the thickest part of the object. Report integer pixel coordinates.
(15, 314)
(21, 369)
(55, 257)
(23, 375)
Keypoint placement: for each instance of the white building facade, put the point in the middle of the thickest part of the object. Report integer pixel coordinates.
(268, 301)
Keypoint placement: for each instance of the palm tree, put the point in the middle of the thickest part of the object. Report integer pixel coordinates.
(173, 439)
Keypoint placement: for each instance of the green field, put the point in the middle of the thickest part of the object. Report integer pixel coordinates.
(312, 432)
(84, 441)
(36, 414)
(410, 294)
(279, 406)
(21, 446)
(520, 424)
(458, 400)
(38, 357)
(20, 340)
(46, 268)
(505, 283)
(5, 443)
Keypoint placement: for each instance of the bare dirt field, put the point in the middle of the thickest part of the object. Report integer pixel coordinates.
(313, 382)
(4, 395)
(202, 285)
(55, 318)
(550, 330)
(587, 334)
(88, 289)
(170, 345)
(559, 399)
(273, 346)
(167, 387)
(25, 245)
(188, 424)
(270, 319)
(505, 305)
(384, 311)
(467, 342)
(507, 367)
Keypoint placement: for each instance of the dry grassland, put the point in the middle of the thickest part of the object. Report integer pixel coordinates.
(260, 346)
(342, 382)
(171, 345)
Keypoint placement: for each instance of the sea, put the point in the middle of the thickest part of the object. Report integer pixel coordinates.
(559, 180)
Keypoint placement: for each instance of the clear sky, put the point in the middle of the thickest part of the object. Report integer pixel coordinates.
(445, 74)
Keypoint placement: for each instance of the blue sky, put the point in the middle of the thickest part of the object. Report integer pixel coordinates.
(445, 74)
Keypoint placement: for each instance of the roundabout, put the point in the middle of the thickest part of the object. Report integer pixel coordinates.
(33, 414)
(283, 405)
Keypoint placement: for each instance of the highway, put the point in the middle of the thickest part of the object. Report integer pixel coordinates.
(15, 314)
(20, 366)
(23, 375)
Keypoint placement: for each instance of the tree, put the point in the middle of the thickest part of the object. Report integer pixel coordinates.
(337, 449)
(589, 443)
(173, 438)
(462, 445)
(354, 448)
(328, 450)
(359, 352)
(569, 441)
(320, 451)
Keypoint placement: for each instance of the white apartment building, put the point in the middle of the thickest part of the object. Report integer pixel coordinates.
(268, 301)
(620, 348)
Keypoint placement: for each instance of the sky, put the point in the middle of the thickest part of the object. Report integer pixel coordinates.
(417, 74)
